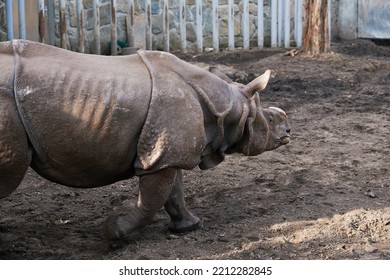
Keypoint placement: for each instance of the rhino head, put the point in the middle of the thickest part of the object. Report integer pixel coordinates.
(265, 128)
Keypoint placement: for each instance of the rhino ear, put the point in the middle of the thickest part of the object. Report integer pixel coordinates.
(220, 74)
(258, 84)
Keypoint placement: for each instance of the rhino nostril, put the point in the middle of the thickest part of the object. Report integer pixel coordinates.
(288, 131)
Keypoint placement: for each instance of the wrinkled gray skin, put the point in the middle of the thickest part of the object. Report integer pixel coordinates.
(88, 121)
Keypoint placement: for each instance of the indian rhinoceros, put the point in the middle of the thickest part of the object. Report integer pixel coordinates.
(87, 121)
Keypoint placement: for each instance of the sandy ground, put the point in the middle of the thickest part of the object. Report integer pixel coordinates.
(326, 195)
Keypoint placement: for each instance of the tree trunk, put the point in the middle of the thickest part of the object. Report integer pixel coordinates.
(316, 27)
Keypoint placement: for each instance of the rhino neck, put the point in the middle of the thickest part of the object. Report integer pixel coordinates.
(230, 131)
(248, 142)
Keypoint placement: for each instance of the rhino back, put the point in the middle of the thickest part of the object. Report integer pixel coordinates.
(83, 113)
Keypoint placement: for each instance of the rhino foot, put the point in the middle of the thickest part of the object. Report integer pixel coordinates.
(182, 219)
(115, 227)
(163, 188)
(154, 190)
(184, 226)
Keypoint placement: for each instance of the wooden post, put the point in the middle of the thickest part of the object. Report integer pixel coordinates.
(199, 26)
(215, 26)
(245, 24)
(114, 32)
(148, 24)
(231, 24)
(183, 26)
(166, 25)
(298, 23)
(80, 25)
(280, 23)
(51, 21)
(260, 24)
(130, 24)
(96, 26)
(63, 24)
(286, 23)
(274, 23)
(316, 27)
(22, 19)
(42, 21)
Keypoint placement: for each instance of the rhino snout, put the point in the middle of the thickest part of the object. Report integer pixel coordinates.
(278, 124)
(285, 139)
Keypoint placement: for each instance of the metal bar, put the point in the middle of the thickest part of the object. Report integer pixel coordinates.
(274, 23)
(286, 23)
(51, 21)
(22, 19)
(130, 24)
(298, 22)
(96, 26)
(183, 34)
(114, 32)
(260, 24)
(215, 25)
(42, 21)
(231, 24)
(280, 22)
(63, 27)
(199, 26)
(10, 20)
(245, 24)
(80, 25)
(166, 25)
(148, 24)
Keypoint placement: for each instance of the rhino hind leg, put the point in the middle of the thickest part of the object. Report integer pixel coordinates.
(14, 151)
(154, 190)
(182, 219)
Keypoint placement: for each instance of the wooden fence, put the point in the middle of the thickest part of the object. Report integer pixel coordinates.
(282, 31)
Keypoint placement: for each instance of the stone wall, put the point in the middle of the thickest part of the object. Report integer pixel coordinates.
(174, 32)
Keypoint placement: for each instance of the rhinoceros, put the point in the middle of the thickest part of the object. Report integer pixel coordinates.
(87, 121)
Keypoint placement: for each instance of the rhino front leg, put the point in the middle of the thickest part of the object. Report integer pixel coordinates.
(181, 219)
(154, 190)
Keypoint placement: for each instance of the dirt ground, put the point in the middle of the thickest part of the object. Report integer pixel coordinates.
(326, 195)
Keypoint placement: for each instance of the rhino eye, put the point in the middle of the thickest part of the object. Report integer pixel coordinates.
(271, 119)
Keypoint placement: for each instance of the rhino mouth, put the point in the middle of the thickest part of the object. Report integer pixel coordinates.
(285, 140)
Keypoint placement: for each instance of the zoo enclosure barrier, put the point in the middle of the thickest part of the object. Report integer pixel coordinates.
(105, 26)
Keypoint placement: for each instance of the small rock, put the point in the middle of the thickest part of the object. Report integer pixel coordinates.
(223, 239)
(371, 194)
(173, 236)
(253, 238)
(61, 222)
(370, 249)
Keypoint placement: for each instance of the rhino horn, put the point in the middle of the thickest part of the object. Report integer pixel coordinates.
(258, 84)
